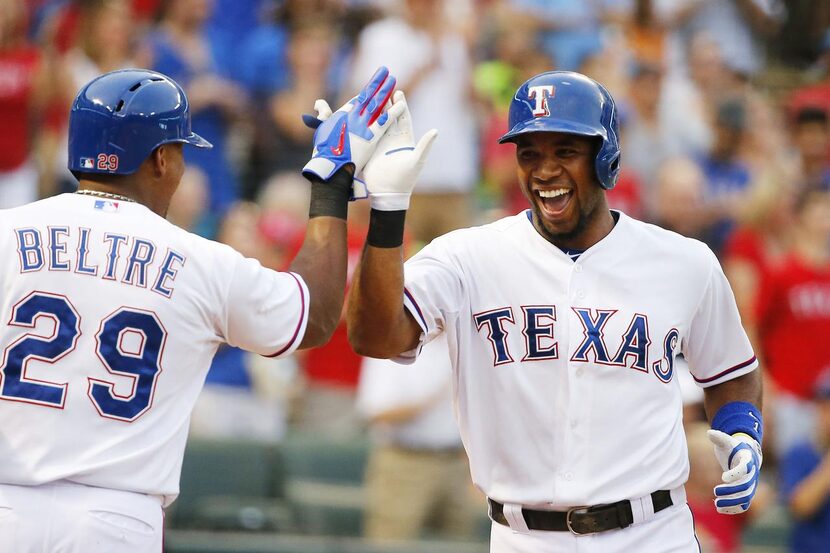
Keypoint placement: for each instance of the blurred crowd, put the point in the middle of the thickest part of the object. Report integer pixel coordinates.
(725, 115)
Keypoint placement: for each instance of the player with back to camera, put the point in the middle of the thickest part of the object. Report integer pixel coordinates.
(563, 324)
(111, 314)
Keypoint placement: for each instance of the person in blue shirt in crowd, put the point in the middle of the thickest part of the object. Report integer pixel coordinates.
(805, 481)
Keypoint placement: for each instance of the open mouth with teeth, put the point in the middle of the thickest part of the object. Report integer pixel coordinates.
(554, 202)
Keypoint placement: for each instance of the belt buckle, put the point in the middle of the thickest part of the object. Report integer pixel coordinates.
(569, 522)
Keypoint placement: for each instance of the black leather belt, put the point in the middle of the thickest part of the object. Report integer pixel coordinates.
(582, 520)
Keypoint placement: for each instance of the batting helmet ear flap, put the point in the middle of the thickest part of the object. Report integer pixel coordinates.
(608, 158)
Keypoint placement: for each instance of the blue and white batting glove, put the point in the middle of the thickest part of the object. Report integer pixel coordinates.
(740, 457)
(350, 134)
(391, 172)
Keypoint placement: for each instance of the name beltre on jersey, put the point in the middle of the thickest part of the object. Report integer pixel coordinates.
(64, 248)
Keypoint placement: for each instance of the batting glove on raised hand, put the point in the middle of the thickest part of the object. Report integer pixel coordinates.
(350, 134)
(391, 172)
(740, 457)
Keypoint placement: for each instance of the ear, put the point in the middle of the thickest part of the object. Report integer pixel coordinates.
(159, 160)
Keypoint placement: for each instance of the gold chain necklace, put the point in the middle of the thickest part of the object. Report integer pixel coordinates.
(108, 195)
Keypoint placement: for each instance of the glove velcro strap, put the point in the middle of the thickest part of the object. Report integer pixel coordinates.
(320, 167)
(739, 416)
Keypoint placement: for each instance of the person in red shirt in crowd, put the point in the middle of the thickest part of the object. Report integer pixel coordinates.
(758, 245)
(28, 82)
(794, 319)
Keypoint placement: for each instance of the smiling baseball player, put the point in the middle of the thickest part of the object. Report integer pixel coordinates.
(563, 324)
(111, 315)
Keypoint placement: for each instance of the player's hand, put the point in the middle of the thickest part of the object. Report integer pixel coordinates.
(391, 172)
(350, 134)
(740, 457)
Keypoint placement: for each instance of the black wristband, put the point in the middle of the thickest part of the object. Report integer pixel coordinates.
(386, 228)
(330, 198)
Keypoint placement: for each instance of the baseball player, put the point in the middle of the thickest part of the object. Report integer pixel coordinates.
(563, 324)
(111, 315)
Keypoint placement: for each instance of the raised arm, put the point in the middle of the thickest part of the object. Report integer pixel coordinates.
(322, 259)
(343, 143)
(379, 325)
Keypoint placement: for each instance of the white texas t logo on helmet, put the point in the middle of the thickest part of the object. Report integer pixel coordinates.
(541, 94)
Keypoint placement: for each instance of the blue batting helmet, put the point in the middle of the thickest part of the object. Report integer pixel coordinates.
(119, 118)
(568, 102)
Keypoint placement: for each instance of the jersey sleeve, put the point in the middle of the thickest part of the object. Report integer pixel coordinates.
(267, 311)
(433, 292)
(717, 347)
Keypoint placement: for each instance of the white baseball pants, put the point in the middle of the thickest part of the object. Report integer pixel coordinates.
(73, 518)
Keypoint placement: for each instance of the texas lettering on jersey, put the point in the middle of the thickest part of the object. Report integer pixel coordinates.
(537, 327)
(132, 260)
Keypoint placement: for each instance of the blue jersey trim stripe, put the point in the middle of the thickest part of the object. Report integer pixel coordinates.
(737, 367)
(417, 310)
(299, 324)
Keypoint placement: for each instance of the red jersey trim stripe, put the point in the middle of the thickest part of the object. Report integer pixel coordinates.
(299, 324)
(737, 367)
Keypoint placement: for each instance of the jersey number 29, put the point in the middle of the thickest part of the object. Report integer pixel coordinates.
(142, 365)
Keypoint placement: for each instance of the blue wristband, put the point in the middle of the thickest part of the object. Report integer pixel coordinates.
(739, 416)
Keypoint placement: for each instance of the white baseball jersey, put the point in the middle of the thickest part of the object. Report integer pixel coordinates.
(110, 318)
(564, 371)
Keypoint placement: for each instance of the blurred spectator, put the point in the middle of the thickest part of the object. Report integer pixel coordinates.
(281, 138)
(737, 26)
(431, 60)
(817, 94)
(679, 193)
(572, 29)
(715, 532)
(515, 58)
(180, 48)
(189, 202)
(805, 480)
(643, 133)
(794, 319)
(811, 138)
(327, 375)
(727, 175)
(230, 25)
(800, 40)
(332, 371)
(645, 33)
(691, 92)
(417, 478)
(759, 244)
(244, 396)
(261, 64)
(28, 83)
(103, 42)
